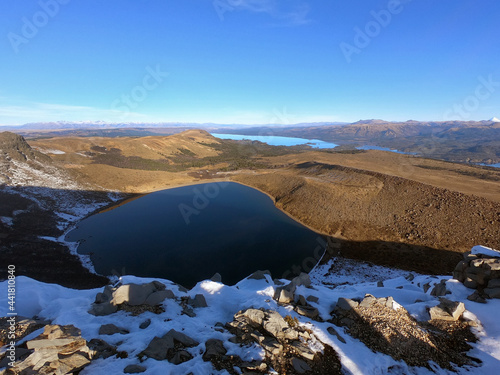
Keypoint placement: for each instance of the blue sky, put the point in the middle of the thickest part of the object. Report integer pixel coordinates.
(248, 61)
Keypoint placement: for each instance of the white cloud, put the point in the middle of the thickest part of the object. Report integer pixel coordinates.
(289, 13)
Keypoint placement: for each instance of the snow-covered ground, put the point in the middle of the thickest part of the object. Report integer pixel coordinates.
(66, 306)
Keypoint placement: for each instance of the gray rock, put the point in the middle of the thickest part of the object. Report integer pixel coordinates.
(476, 297)
(145, 324)
(283, 294)
(102, 309)
(447, 310)
(186, 310)
(159, 348)
(253, 316)
(198, 301)
(302, 279)
(440, 290)
(111, 329)
(180, 357)
(368, 301)
(101, 348)
(333, 331)
(492, 292)
(132, 294)
(181, 338)
(216, 278)
(158, 297)
(380, 284)
(300, 366)
(346, 304)
(134, 369)
(272, 346)
(276, 326)
(308, 311)
(301, 300)
(303, 350)
(313, 299)
(214, 348)
(259, 275)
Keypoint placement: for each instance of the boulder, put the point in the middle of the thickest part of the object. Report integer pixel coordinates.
(214, 348)
(303, 350)
(447, 310)
(302, 279)
(495, 283)
(133, 294)
(255, 317)
(102, 309)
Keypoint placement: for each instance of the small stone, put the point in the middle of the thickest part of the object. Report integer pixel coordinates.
(380, 284)
(198, 301)
(111, 329)
(145, 324)
(216, 278)
(303, 350)
(181, 338)
(134, 369)
(440, 290)
(259, 275)
(214, 348)
(308, 311)
(495, 283)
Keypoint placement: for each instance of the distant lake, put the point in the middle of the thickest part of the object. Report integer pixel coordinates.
(278, 141)
(187, 234)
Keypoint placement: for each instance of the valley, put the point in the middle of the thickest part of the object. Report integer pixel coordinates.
(386, 208)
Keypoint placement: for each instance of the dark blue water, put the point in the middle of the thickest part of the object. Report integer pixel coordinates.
(187, 234)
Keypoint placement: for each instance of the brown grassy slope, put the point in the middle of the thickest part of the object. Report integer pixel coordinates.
(382, 218)
(154, 147)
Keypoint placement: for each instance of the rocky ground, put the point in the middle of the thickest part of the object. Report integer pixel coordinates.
(406, 324)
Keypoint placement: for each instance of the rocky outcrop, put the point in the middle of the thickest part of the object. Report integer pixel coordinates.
(480, 270)
(135, 298)
(58, 350)
(289, 348)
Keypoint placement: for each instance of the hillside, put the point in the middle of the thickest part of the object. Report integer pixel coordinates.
(461, 141)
